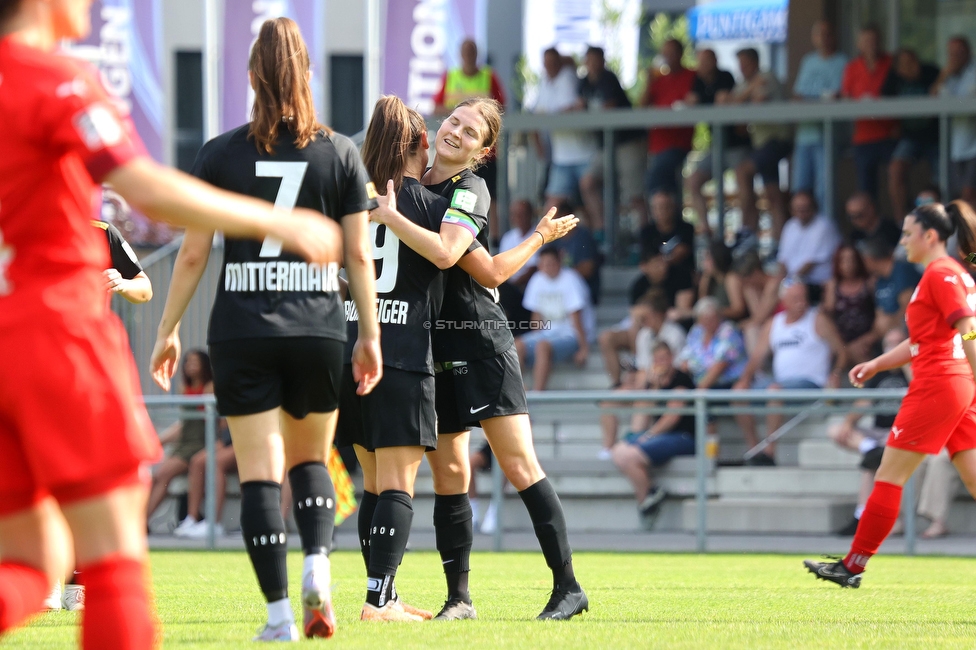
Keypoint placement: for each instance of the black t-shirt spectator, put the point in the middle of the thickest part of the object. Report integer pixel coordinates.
(887, 379)
(652, 240)
(921, 130)
(672, 284)
(607, 90)
(886, 230)
(706, 93)
(681, 380)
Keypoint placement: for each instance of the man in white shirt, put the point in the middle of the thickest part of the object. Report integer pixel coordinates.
(806, 248)
(559, 299)
(571, 152)
(958, 79)
(512, 290)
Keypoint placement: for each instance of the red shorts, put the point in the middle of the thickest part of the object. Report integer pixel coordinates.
(71, 422)
(936, 413)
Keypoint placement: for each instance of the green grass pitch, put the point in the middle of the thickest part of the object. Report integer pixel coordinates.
(211, 600)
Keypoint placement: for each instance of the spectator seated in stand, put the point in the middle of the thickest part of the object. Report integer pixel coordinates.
(919, 140)
(650, 317)
(656, 274)
(512, 291)
(869, 441)
(958, 79)
(579, 252)
(194, 526)
(558, 298)
(809, 240)
(849, 301)
(862, 212)
(188, 433)
(761, 293)
(668, 436)
(720, 281)
(667, 146)
(894, 283)
(714, 353)
(802, 340)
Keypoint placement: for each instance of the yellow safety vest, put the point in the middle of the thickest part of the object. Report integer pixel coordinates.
(459, 86)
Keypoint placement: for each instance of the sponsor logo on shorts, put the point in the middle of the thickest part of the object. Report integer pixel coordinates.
(479, 409)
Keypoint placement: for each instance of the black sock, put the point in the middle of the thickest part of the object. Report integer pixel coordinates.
(367, 505)
(388, 538)
(263, 530)
(550, 528)
(454, 537)
(314, 499)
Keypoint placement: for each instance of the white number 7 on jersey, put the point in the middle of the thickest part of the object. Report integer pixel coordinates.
(291, 174)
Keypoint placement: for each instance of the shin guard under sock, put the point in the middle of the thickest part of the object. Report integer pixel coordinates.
(118, 613)
(314, 501)
(22, 592)
(547, 517)
(454, 537)
(367, 505)
(263, 530)
(877, 520)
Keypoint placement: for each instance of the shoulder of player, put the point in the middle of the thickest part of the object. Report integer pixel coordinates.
(234, 137)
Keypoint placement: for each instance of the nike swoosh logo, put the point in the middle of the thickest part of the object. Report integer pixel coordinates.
(446, 561)
(475, 410)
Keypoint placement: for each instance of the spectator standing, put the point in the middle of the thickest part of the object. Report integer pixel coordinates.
(669, 234)
(669, 436)
(714, 353)
(867, 223)
(808, 242)
(818, 79)
(801, 340)
(599, 90)
(958, 79)
(849, 300)
(874, 140)
(711, 87)
(919, 140)
(559, 297)
(466, 82)
(512, 291)
(667, 147)
(570, 152)
(770, 144)
(894, 283)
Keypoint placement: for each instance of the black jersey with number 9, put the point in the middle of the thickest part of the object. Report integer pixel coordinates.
(264, 291)
(409, 288)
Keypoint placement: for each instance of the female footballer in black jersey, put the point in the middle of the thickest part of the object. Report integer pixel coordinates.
(478, 378)
(277, 329)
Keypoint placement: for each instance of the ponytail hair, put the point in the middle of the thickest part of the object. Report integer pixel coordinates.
(394, 135)
(936, 217)
(491, 114)
(964, 218)
(8, 8)
(279, 66)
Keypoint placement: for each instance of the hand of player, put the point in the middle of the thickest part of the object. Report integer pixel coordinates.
(387, 205)
(552, 229)
(164, 360)
(306, 232)
(367, 364)
(862, 372)
(114, 282)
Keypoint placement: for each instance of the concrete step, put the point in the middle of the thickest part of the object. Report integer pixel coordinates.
(779, 482)
(770, 515)
(821, 453)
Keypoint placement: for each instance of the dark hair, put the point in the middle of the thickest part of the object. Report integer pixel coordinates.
(656, 300)
(749, 53)
(394, 134)
(810, 197)
(598, 51)
(860, 271)
(650, 253)
(964, 218)
(962, 40)
(877, 248)
(563, 207)
(8, 8)
(932, 189)
(491, 113)
(721, 256)
(748, 263)
(934, 216)
(551, 50)
(280, 66)
(675, 42)
(206, 372)
(549, 249)
(873, 28)
(907, 51)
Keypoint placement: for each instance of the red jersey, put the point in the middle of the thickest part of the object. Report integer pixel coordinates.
(62, 134)
(860, 82)
(662, 92)
(945, 294)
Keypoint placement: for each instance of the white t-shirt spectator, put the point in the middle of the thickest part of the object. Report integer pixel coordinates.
(814, 242)
(556, 96)
(963, 131)
(510, 240)
(555, 299)
(671, 333)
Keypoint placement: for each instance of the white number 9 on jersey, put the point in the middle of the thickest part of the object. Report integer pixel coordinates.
(388, 253)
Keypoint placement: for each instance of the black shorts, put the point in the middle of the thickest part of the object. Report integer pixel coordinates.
(300, 374)
(471, 391)
(399, 412)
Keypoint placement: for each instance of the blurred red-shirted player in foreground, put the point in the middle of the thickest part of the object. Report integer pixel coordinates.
(940, 407)
(73, 434)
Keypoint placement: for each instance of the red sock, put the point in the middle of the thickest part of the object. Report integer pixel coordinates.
(22, 593)
(117, 614)
(877, 520)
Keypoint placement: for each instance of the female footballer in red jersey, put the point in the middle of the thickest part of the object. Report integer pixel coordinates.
(939, 409)
(73, 435)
